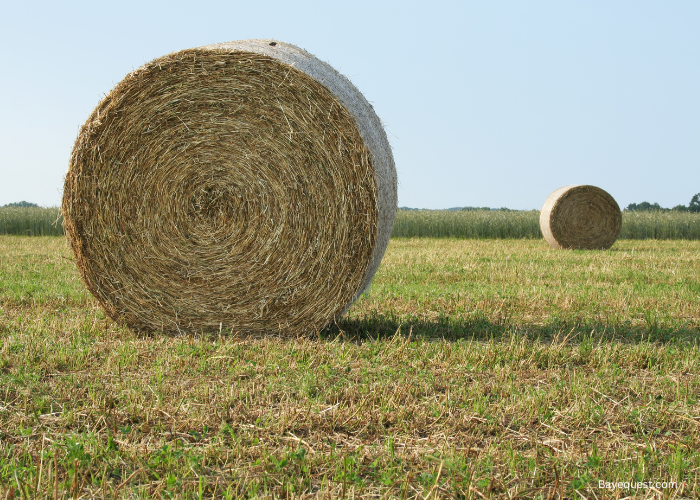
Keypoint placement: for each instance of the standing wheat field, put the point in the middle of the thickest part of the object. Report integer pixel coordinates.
(479, 224)
(31, 221)
(525, 224)
(472, 369)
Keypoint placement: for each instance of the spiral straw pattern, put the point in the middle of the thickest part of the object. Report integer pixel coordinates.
(244, 186)
(580, 217)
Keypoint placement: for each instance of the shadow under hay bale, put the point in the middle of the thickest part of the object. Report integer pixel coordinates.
(245, 186)
(580, 217)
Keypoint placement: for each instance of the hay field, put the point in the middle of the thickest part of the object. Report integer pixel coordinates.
(472, 369)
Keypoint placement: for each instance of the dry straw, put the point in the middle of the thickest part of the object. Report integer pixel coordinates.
(580, 217)
(244, 186)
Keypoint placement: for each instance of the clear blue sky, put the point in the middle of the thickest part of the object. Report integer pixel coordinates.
(486, 103)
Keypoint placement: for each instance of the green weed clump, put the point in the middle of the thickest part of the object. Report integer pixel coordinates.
(504, 224)
(31, 221)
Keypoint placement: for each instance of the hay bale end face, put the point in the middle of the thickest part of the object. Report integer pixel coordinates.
(243, 186)
(580, 217)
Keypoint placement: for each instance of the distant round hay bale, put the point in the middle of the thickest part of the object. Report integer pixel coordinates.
(580, 217)
(243, 186)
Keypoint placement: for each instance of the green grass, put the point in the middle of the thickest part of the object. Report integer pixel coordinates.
(514, 224)
(472, 369)
(30, 221)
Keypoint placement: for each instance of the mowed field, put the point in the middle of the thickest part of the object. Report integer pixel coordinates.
(472, 369)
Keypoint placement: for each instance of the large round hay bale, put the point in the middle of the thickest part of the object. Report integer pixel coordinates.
(580, 217)
(245, 185)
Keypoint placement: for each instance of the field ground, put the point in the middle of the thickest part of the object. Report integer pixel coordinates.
(472, 369)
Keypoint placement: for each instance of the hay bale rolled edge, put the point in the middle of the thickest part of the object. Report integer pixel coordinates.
(368, 125)
(580, 217)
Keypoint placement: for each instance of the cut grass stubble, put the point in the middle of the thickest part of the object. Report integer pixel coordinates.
(405, 397)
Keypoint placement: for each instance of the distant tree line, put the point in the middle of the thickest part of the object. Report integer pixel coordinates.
(645, 206)
(22, 204)
(466, 209)
(469, 209)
